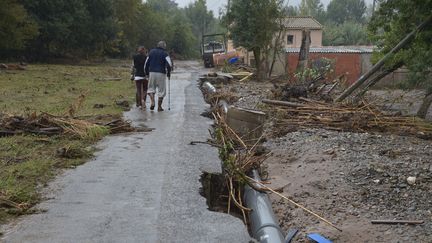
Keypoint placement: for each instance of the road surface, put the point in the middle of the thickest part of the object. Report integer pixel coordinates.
(140, 187)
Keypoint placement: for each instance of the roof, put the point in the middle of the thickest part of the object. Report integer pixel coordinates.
(299, 22)
(334, 49)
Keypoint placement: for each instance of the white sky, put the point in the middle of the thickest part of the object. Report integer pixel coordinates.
(214, 5)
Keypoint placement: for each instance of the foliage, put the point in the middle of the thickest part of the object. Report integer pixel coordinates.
(253, 24)
(16, 28)
(201, 18)
(84, 29)
(339, 11)
(312, 8)
(394, 20)
(319, 69)
(348, 33)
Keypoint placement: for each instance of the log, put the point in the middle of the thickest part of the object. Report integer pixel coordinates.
(282, 103)
(397, 221)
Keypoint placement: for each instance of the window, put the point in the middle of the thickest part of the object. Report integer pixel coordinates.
(290, 39)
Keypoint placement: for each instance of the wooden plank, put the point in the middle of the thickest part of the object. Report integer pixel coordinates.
(246, 115)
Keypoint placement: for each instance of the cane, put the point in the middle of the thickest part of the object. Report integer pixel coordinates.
(169, 93)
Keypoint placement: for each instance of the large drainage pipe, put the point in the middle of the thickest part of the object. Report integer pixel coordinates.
(263, 222)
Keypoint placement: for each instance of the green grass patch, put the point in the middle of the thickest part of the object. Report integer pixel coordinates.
(29, 162)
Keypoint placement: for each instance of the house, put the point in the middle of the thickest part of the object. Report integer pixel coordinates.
(292, 35)
(293, 31)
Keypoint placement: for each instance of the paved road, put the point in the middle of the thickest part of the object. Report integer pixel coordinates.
(140, 187)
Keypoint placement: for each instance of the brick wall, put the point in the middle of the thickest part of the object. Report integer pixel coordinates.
(349, 63)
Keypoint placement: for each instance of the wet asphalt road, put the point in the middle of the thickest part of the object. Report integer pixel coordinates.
(140, 187)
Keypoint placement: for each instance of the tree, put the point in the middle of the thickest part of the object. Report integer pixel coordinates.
(395, 19)
(71, 28)
(200, 17)
(312, 8)
(348, 33)
(183, 40)
(127, 16)
(253, 25)
(339, 11)
(16, 28)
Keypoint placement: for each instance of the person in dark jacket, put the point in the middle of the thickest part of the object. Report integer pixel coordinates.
(158, 66)
(141, 81)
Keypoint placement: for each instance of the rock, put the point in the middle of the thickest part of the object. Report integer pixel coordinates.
(411, 180)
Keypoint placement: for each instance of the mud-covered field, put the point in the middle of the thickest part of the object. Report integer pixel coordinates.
(348, 178)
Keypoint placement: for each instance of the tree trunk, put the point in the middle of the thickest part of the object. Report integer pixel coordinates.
(423, 110)
(304, 50)
(257, 56)
(276, 49)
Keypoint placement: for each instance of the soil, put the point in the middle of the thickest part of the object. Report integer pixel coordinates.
(348, 178)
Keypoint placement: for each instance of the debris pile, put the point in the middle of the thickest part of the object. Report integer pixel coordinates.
(360, 118)
(47, 124)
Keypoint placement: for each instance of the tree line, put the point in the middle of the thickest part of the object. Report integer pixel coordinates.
(42, 29)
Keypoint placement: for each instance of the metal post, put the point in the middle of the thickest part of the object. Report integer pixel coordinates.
(169, 93)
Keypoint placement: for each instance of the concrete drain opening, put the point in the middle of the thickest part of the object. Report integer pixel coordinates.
(216, 193)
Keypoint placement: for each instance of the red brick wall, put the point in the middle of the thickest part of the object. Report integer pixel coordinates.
(349, 63)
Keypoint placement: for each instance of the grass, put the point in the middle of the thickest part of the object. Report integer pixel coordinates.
(29, 162)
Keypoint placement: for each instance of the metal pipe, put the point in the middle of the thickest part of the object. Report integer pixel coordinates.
(223, 105)
(263, 222)
(208, 88)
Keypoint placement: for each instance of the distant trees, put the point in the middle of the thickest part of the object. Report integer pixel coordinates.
(312, 8)
(344, 20)
(341, 11)
(16, 28)
(81, 29)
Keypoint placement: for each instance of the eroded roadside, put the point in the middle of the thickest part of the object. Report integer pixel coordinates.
(349, 178)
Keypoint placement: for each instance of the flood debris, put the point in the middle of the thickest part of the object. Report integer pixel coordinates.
(123, 104)
(21, 66)
(11, 204)
(364, 117)
(49, 125)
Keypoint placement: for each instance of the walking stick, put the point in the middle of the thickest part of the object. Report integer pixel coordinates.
(169, 93)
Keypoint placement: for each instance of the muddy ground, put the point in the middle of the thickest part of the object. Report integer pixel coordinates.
(349, 178)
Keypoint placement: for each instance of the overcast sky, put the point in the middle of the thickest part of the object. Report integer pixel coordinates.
(214, 5)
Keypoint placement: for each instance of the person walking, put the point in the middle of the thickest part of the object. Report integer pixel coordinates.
(158, 66)
(141, 81)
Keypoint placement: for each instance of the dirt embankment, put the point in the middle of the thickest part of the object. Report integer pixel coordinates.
(349, 178)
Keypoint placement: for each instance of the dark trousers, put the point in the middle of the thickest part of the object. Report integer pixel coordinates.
(141, 91)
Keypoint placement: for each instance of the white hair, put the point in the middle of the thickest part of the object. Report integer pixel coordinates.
(161, 44)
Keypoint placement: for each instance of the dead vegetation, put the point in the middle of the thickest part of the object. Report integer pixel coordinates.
(362, 117)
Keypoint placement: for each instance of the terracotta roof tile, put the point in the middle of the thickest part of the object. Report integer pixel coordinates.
(299, 22)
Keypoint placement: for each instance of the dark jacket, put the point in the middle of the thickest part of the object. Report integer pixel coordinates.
(139, 62)
(157, 61)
